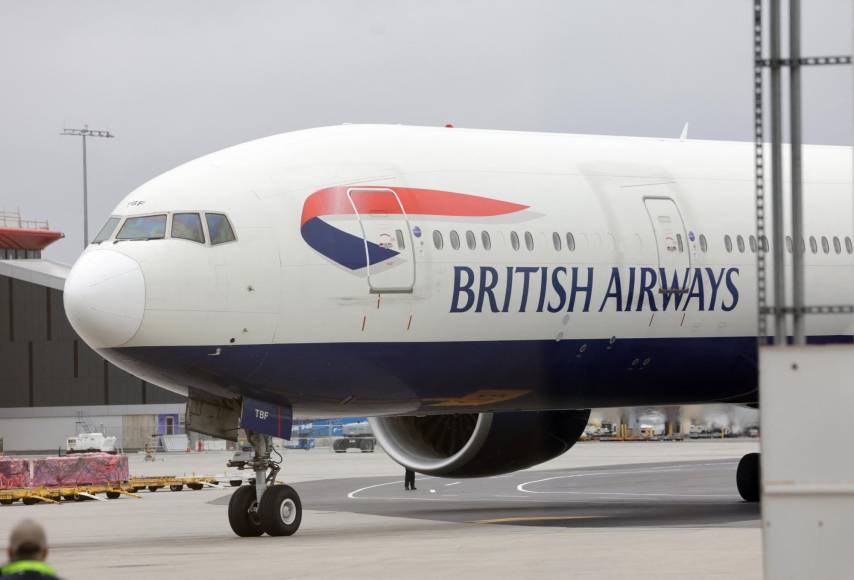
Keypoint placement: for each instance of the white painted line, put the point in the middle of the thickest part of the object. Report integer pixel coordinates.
(521, 487)
(455, 483)
(352, 494)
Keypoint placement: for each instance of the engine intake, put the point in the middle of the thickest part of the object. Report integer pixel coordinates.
(478, 444)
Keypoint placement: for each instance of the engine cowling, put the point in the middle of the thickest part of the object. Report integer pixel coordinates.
(478, 444)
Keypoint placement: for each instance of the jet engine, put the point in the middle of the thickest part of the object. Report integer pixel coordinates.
(478, 444)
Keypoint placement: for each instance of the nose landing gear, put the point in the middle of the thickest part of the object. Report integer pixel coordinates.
(266, 507)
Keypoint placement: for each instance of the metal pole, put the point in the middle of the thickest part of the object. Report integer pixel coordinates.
(759, 174)
(85, 200)
(777, 243)
(84, 133)
(797, 173)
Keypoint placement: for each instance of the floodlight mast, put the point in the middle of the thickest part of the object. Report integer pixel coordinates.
(86, 132)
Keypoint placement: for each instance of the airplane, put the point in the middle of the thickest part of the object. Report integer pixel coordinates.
(474, 292)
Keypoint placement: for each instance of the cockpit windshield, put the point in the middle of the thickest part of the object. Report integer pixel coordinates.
(107, 230)
(219, 228)
(188, 226)
(150, 227)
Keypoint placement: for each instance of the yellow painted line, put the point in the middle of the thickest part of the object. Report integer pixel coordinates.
(536, 519)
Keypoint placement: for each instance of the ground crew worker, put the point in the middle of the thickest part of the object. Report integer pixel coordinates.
(409, 480)
(27, 553)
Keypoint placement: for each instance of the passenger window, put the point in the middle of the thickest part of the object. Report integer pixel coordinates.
(704, 244)
(813, 244)
(514, 240)
(455, 240)
(740, 241)
(849, 246)
(438, 242)
(752, 240)
(837, 245)
(471, 241)
(728, 243)
(556, 241)
(107, 230)
(150, 227)
(188, 226)
(570, 242)
(825, 245)
(763, 244)
(486, 240)
(679, 242)
(789, 243)
(401, 242)
(219, 228)
(529, 241)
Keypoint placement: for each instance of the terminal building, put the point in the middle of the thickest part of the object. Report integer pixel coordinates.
(52, 385)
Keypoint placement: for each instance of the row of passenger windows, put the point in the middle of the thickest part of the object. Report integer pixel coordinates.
(813, 241)
(486, 240)
(471, 240)
(185, 226)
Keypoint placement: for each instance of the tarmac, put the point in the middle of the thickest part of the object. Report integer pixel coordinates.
(603, 510)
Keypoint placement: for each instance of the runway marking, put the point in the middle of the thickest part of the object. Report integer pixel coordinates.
(352, 494)
(455, 483)
(518, 519)
(521, 487)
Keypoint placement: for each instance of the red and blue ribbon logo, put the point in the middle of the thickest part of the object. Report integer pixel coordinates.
(349, 250)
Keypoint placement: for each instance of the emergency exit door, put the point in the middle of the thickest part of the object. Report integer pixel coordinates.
(389, 252)
(670, 236)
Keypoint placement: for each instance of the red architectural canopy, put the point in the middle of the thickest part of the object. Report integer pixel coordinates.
(27, 239)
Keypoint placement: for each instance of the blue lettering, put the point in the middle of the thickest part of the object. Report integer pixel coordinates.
(558, 287)
(587, 289)
(508, 290)
(544, 276)
(696, 283)
(460, 288)
(715, 284)
(730, 285)
(526, 273)
(487, 289)
(673, 289)
(631, 293)
(647, 283)
(615, 291)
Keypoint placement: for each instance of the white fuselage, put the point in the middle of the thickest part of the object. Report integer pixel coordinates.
(291, 288)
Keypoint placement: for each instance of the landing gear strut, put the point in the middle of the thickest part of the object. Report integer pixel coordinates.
(748, 477)
(266, 507)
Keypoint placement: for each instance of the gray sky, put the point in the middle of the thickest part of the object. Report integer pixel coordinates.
(175, 80)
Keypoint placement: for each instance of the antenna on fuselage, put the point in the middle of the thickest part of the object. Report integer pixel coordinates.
(684, 134)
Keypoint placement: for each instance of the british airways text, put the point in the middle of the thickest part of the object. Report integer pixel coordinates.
(577, 289)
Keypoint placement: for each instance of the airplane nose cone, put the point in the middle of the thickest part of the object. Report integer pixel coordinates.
(105, 298)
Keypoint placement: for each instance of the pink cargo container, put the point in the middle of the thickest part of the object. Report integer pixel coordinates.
(14, 472)
(82, 469)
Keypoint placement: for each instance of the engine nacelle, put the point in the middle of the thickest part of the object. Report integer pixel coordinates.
(478, 444)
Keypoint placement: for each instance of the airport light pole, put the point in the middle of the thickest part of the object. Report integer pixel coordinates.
(86, 132)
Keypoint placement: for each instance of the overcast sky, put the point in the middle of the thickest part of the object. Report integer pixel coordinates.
(175, 80)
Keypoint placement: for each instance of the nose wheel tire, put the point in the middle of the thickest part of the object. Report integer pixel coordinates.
(243, 513)
(748, 477)
(280, 510)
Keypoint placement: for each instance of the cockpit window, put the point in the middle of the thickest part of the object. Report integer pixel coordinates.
(107, 230)
(219, 228)
(150, 227)
(188, 226)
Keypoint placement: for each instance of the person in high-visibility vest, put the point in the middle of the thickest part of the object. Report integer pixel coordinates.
(27, 553)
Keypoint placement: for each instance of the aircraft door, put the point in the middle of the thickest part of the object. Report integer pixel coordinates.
(389, 251)
(670, 236)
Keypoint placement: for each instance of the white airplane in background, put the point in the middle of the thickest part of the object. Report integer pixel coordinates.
(477, 292)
